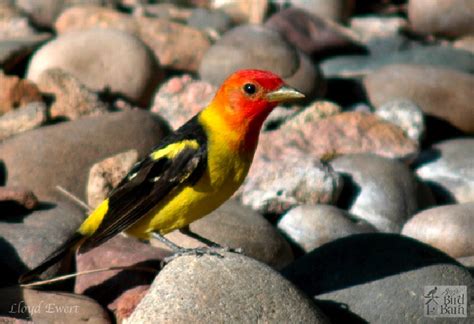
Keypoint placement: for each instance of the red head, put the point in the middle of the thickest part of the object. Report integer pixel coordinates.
(247, 97)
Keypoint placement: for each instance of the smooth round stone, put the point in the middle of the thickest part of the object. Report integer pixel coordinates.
(449, 228)
(252, 12)
(103, 60)
(337, 10)
(448, 167)
(431, 88)
(241, 48)
(28, 240)
(216, 20)
(232, 289)
(382, 191)
(375, 278)
(358, 65)
(14, 51)
(451, 18)
(312, 226)
(62, 154)
(25, 118)
(405, 114)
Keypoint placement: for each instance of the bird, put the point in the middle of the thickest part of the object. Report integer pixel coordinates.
(190, 173)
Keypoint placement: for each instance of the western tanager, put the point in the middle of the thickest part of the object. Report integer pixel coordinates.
(190, 173)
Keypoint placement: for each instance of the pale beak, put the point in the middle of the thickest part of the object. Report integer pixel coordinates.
(283, 94)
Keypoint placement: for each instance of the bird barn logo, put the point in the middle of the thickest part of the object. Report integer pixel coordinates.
(445, 301)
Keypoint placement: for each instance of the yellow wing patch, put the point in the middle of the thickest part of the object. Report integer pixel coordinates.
(171, 150)
(92, 222)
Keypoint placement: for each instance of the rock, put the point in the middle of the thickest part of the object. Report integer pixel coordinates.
(351, 275)
(16, 92)
(103, 60)
(406, 115)
(26, 243)
(28, 117)
(230, 289)
(428, 17)
(33, 306)
(210, 20)
(431, 88)
(381, 191)
(357, 65)
(20, 196)
(71, 99)
(465, 43)
(62, 154)
(107, 174)
(313, 35)
(106, 287)
(241, 48)
(468, 262)
(182, 97)
(243, 11)
(14, 51)
(448, 228)
(337, 10)
(345, 133)
(13, 24)
(236, 226)
(312, 226)
(312, 113)
(375, 27)
(448, 168)
(124, 305)
(175, 45)
(43, 13)
(276, 186)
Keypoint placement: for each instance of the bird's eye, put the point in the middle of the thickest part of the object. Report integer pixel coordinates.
(250, 88)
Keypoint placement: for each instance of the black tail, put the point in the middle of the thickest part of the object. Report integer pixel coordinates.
(68, 247)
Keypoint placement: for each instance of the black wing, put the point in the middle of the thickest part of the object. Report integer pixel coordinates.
(150, 181)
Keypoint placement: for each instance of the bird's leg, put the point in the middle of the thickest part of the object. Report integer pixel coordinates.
(187, 231)
(181, 251)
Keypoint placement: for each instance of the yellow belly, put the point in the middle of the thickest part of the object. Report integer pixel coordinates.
(189, 203)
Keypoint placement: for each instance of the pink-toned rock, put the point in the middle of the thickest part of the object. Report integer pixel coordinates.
(119, 251)
(177, 46)
(465, 43)
(72, 99)
(16, 92)
(433, 89)
(21, 196)
(448, 228)
(180, 98)
(345, 133)
(124, 305)
(449, 18)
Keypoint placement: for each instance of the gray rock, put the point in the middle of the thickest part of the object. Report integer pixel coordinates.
(449, 228)
(25, 118)
(382, 191)
(451, 18)
(378, 278)
(338, 10)
(241, 48)
(405, 114)
(236, 226)
(23, 245)
(215, 20)
(448, 167)
(276, 186)
(441, 56)
(431, 88)
(312, 226)
(230, 289)
(102, 59)
(61, 154)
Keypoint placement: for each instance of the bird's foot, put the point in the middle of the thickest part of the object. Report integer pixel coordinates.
(211, 250)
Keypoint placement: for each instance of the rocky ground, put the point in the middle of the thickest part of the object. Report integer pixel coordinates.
(358, 198)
